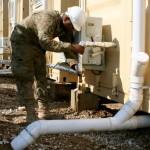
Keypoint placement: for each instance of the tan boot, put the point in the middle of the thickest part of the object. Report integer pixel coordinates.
(44, 113)
(31, 114)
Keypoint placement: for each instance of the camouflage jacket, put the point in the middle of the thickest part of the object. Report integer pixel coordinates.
(41, 28)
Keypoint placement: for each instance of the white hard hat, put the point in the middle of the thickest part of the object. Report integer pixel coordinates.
(77, 17)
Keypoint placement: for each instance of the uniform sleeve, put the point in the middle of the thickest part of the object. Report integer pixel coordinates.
(71, 57)
(46, 30)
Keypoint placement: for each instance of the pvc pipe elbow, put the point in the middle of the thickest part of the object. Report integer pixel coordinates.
(127, 111)
(27, 136)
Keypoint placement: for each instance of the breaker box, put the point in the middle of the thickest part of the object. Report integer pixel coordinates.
(93, 29)
(93, 57)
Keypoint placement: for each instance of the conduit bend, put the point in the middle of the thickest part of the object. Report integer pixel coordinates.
(139, 64)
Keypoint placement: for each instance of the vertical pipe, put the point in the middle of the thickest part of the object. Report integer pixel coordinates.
(82, 4)
(15, 13)
(139, 25)
(44, 2)
(136, 92)
(139, 63)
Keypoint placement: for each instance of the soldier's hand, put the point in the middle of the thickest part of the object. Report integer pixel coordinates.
(77, 48)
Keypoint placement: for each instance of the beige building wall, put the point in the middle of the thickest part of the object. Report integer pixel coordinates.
(5, 18)
(22, 9)
(117, 26)
(146, 104)
(4, 40)
(116, 18)
(18, 10)
(1, 18)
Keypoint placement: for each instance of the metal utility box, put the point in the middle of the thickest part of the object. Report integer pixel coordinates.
(93, 57)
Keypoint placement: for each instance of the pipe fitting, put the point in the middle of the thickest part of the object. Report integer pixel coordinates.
(26, 136)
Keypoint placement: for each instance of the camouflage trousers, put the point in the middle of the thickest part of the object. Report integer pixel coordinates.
(29, 68)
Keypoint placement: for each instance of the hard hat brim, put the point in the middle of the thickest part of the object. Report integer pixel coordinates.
(77, 17)
(76, 27)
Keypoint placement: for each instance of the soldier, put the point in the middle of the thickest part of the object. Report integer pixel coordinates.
(29, 41)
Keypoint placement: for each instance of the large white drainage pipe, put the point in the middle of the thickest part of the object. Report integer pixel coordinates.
(42, 127)
(122, 120)
(139, 25)
(139, 64)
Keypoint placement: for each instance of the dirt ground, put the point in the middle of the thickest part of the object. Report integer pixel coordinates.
(12, 122)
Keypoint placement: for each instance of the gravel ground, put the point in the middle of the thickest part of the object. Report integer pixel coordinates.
(12, 122)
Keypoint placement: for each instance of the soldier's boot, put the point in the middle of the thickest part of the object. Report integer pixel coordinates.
(31, 113)
(44, 113)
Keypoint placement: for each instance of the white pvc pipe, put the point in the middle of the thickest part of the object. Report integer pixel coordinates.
(139, 25)
(15, 14)
(139, 64)
(100, 44)
(79, 68)
(136, 88)
(79, 65)
(42, 127)
(45, 5)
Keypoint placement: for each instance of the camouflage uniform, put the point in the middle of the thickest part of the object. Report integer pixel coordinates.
(29, 40)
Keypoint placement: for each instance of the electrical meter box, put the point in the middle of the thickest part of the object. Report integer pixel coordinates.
(93, 57)
(93, 29)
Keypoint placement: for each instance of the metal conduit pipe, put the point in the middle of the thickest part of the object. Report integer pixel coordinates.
(5, 61)
(8, 71)
(61, 68)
